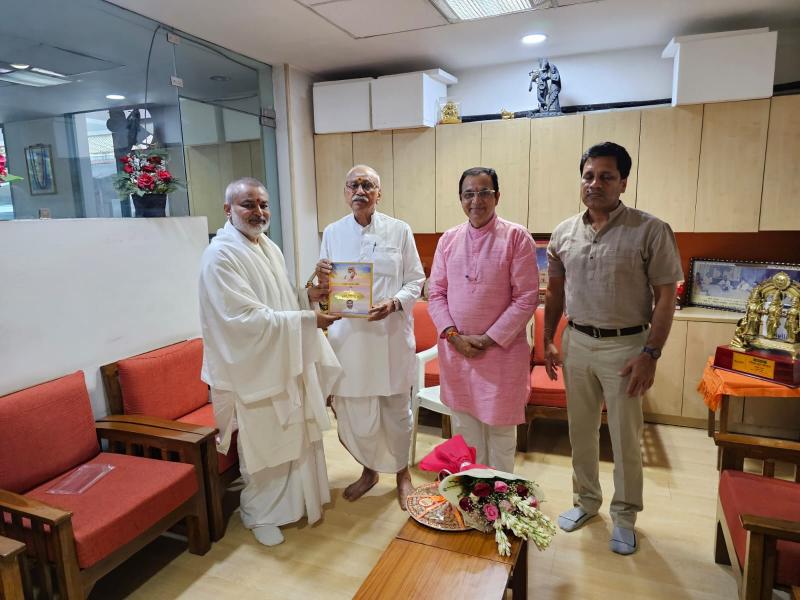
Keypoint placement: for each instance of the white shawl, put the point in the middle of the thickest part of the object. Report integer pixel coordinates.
(258, 343)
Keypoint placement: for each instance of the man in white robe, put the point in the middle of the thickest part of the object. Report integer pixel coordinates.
(269, 366)
(372, 399)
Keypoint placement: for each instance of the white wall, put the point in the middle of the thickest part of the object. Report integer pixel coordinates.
(80, 293)
(295, 141)
(618, 76)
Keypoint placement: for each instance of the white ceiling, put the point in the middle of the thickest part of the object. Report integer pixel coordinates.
(327, 37)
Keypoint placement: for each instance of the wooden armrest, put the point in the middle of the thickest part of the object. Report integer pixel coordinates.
(32, 509)
(777, 528)
(760, 447)
(9, 548)
(160, 423)
(134, 432)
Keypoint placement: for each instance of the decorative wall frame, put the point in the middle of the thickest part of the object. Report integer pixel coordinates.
(41, 178)
(726, 284)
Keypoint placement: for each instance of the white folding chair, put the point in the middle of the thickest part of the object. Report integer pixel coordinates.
(427, 397)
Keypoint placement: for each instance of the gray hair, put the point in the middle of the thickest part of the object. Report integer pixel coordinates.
(236, 185)
(370, 170)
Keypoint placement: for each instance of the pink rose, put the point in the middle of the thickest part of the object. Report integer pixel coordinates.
(506, 505)
(533, 501)
(482, 489)
(465, 504)
(500, 486)
(490, 512)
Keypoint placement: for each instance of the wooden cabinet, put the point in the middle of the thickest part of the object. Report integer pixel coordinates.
(554, 194)
(731, 166)
(781, 171)
(620, 127)
(666, 395)
(669, 158)
(333, 158)
(374, 148)
(458, 147)
(702, 339)
(414, 153)
(505, 147)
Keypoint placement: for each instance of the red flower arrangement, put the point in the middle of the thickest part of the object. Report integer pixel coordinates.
(145, 172)
(5, 176)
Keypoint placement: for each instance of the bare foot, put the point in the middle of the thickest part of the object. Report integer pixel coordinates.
(404, 487)
(361, 486)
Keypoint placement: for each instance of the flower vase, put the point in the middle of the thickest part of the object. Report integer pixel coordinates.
(150, 205)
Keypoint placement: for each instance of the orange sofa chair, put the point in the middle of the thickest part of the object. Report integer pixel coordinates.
(547, 398)
(74, 539)
(758, 517)
(162, 388)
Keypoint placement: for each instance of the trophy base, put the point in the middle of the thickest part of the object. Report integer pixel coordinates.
(769, 366)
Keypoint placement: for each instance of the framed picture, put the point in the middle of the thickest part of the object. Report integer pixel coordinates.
(541, 263)
(726, 284)
(40, 169)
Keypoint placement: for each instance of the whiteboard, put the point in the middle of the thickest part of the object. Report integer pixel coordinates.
(79, 293)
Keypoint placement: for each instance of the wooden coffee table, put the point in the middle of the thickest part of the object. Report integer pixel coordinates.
(426, 563)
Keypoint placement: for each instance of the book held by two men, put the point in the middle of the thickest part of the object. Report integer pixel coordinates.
(350, 289)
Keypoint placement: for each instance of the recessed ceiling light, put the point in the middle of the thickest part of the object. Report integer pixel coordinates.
(534, 38)
(46, 72)
(115, 97)
(19, 66)
(467, 10)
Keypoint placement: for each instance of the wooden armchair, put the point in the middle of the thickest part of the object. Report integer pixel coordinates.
(74, 539)
(163, 389)
(10, 576)
(758, 517)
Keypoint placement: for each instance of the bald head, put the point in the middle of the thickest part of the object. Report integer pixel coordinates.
(247, 207)
(362, 191)
(240, 186)
(364, 170)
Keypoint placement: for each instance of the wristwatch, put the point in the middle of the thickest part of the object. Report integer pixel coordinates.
(655, 353)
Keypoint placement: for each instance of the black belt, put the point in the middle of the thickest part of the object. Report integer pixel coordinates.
(597, 332)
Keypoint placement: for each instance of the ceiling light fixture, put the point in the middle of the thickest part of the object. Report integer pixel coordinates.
(32, 79)
(19, 66)
(534, 38)
(468, 10)
(219, 78)
(115, 97)
(46, 72)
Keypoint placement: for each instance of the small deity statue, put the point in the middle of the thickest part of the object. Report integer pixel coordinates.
(793, 321)
(548, 87)
(774, 311)
(753, 319)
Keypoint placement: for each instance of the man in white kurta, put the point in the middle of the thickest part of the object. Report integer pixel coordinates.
(372, 399)
(269, 366)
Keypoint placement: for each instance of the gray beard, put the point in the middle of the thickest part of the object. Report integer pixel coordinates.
(246, 228)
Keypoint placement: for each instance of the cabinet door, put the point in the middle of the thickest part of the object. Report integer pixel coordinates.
(666, 395)
(333, 158)
(669, 157)
(781, 172)
(415, 178)
(702, 339)
(374, 148)
(620, 127)
(458, 147)
(505, 147)
(555, 182)
(731, 166)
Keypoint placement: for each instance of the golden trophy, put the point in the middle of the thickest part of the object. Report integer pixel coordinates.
(766, 343)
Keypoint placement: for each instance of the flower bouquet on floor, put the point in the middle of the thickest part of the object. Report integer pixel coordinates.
(489, 499)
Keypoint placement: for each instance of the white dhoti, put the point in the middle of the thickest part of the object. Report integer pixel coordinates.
(286, 493)
(495, 445)
(376, 430)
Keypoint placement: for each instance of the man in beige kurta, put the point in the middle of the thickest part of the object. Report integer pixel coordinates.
(269, 366)
(614, 268)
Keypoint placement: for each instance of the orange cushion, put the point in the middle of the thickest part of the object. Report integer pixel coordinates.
(537, 355)
(205, 416)
(424, 329)
(749, 494)
(432, 373)
(546, 392)
(133, 497)
(165, 382)
(46, 430)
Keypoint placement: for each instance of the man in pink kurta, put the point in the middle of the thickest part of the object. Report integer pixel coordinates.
(483, 291)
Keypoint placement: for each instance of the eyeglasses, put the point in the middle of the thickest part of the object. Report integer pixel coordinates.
(483, 194)
(367, 186)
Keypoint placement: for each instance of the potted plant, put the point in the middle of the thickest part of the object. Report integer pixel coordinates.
(146, 180)
(5, 176)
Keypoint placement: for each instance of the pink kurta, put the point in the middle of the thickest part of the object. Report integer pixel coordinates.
(485, 281)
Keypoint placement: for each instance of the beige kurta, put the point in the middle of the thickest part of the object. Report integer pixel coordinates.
(259, 345)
